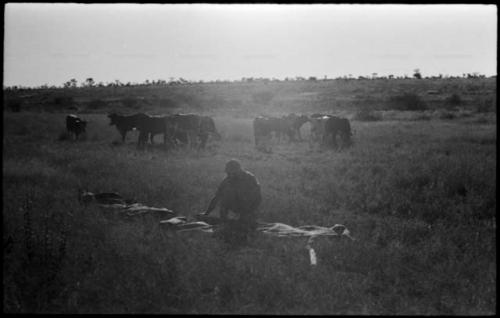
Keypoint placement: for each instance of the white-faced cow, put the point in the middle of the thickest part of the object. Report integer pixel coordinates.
(75, 126)
(336, 126)
(295, 122)
(318, 124)
(262, 129)
(207, 130)
(125, 124)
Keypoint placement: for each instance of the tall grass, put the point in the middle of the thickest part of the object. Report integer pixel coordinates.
(419, 196)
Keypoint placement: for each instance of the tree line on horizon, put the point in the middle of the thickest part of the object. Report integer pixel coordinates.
(90, 82)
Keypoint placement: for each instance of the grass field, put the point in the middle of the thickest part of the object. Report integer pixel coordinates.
(417, 190)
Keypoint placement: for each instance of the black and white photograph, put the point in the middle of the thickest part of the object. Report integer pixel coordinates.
(249, 159)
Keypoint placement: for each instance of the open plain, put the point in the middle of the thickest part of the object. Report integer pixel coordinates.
(417, 190)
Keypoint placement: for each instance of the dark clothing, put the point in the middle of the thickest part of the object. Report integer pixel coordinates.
(239, 193)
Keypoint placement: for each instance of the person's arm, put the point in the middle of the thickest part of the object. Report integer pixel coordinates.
(212, 205)
(215, 199)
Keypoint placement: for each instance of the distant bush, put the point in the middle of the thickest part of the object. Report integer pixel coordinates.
(61, 102)
(14, 105)
(130, 102)
(239, 138)
(263, 97)
(481, 119)
(216, 101)
(454, 100)
(421, 116)
(167, 103)
(366, 115)
(485, 105)
(444, 114)
(407, 101)
(96, 104)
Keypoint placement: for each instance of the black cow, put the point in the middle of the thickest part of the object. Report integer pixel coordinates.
(75, 126)
(207, 129)
(318, 124)
(288, 126)
(125, 123)
(337, 126)
(263, 127)
(191, 129)
(149, 126)
(295, 122)
(183, 128)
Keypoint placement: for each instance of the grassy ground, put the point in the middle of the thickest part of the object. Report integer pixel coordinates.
(418, 194)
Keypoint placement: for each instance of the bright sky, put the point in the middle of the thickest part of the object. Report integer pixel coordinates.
(52, 43)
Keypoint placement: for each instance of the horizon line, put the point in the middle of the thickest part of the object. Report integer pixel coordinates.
(257, 78)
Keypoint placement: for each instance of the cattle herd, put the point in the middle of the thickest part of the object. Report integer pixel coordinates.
(324, 130)
(195, 130)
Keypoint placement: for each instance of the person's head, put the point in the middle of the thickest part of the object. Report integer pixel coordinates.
(233, 166)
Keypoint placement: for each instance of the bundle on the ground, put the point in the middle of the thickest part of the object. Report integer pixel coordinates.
(180, 224)
(113, 200)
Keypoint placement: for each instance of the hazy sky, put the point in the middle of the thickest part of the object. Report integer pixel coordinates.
(52, 43)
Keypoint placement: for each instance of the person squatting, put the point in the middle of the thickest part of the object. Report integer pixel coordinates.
(240, 194)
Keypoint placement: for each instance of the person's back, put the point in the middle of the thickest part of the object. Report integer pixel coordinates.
(240, 193)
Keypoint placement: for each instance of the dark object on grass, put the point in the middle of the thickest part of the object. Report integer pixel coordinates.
(75, 125)
(337, 126)
(125, 123)
(239, 193)
(85, 197)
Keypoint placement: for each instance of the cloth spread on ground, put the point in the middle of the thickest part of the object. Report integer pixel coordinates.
(137, 209)
(180, 224)
(208, 224)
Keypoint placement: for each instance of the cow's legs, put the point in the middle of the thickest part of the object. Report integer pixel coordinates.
(267, 143)
(334, 140)
(312, 139)
(70, 134)
(124, 135)
(203, 140)
(292, 135)
(346, 140)
(190, 140)
(143, 138)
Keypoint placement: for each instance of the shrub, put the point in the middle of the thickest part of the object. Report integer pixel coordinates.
(167, 103)
(485, 105)
(407, 101)
(14, 105)
(60, 102)
(130, 102)
(366, 115)
(454, 100)
(96, 104)
(263, 97)
(446, 115)
(421, 116)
